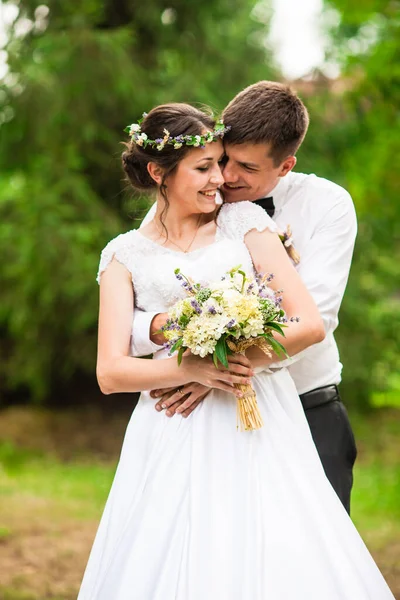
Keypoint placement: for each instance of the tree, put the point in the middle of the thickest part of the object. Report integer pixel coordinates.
(78, 73)
(358, 148)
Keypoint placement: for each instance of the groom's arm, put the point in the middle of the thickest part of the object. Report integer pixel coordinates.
(144, 339)
(325, 263)
(326, 260)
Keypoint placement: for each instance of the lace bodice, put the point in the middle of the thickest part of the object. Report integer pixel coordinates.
(152, 266)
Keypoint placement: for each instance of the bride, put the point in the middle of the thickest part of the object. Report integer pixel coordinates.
(198, 510)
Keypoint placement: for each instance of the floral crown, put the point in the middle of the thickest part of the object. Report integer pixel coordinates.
(141, 139)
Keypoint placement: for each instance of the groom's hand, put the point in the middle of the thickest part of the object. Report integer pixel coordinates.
(182, 400)
(158, 321)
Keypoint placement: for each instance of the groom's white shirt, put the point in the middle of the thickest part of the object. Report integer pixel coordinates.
(323, 221)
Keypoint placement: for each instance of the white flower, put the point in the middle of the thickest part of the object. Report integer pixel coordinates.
(183, 307)
(212, 304)
(253, 327)
(141, 138)
(134, 128)
(203, 332)
(198, 140)
(177, 145)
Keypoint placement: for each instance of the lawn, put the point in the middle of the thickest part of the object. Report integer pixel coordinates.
(56, 470)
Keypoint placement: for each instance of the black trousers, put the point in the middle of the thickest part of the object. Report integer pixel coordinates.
(333, 436)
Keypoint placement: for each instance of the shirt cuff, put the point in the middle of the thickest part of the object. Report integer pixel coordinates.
(280, 364)
(141, 344)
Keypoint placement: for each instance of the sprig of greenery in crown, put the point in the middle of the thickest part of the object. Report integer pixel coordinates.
(198, 141)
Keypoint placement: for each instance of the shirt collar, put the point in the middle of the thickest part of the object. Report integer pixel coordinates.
(279, 193)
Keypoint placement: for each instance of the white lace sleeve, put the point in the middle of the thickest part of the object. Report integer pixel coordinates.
(238, 218)
(120, 248)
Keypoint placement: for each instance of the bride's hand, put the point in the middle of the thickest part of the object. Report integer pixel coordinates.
(205, 372)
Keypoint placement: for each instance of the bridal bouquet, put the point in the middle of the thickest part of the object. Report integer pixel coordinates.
(225, 317)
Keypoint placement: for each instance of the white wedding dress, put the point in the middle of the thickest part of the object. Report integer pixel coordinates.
(200, 511)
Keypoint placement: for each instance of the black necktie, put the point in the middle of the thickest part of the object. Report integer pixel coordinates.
(267, 204)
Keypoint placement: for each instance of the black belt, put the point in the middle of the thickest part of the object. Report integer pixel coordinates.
(320, 396)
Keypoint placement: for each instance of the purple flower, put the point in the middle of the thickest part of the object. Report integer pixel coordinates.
(158, 140)
(212, 310)
(196, 306)
(231, 323)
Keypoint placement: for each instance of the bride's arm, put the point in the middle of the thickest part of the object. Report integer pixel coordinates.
(118, 372)
(269, 256)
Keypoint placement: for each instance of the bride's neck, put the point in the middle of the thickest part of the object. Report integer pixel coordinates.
(178, 222)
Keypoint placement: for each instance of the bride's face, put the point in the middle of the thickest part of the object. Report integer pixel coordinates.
(193, 186)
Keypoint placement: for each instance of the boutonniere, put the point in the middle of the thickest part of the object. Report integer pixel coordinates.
(287, 241)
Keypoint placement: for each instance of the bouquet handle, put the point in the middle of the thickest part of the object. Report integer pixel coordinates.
(248, 412)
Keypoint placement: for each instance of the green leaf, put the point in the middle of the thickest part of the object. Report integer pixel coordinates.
(180, 354)
(183, 320)
(221, 352)
(229, 351)
(177, 345)
(277, 346)
(215, 359)
(277, 327)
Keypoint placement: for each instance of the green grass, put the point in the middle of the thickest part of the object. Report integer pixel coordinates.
(78, 490)
(376, 491)
(376, 503)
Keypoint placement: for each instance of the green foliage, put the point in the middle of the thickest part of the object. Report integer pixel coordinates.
(358, 150)
(76, 78)
(82, 486)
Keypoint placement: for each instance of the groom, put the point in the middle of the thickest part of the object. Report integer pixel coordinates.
(268, 124)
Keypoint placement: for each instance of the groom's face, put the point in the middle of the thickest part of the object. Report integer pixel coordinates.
(250, 173)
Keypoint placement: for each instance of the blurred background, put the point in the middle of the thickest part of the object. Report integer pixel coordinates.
(72, 75)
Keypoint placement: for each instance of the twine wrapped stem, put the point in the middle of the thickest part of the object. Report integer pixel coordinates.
(248, 411)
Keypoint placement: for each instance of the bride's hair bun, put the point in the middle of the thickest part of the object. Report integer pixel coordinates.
(177, 119)
(135, 167)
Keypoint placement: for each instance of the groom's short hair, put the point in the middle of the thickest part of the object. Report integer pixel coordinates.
(267, 112)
